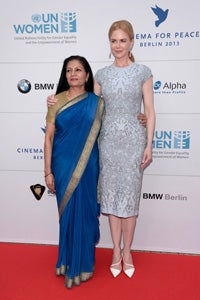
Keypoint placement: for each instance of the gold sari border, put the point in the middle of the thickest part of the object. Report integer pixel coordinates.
(72, 102)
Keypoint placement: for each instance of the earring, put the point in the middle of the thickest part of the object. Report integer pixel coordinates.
(110, 55)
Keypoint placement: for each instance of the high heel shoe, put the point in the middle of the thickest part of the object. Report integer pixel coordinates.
(130, 271)
(115, 272)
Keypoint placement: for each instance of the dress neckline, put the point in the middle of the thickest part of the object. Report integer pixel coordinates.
(125, 67)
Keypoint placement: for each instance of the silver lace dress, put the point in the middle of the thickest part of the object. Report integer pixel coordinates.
(122, 139)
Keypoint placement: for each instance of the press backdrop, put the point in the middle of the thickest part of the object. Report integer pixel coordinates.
(35, 39)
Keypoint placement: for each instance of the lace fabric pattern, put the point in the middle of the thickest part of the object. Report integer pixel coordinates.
(122, 139)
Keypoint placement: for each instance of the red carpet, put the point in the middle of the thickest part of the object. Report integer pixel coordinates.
(27, 273)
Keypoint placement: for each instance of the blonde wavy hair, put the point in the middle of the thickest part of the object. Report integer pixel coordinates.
(127, 28)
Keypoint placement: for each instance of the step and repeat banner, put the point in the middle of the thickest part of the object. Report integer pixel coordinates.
(35, 39)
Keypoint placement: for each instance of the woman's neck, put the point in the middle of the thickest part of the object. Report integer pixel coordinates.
(73, 93)
(122, 62)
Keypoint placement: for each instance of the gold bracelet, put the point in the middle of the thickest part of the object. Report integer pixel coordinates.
(47, 175)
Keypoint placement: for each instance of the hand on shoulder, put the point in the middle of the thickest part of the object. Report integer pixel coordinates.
(51, 100)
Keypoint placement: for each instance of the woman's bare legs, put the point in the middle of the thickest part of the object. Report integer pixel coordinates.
(128, 228)
(122, 228)
(116, 234)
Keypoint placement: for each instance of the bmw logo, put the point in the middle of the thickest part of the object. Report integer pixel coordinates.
(24, 86)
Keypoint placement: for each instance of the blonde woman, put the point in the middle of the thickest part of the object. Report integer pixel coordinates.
(125, 145)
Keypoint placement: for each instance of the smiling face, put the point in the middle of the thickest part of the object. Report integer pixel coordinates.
(120, 44)
(76, 74)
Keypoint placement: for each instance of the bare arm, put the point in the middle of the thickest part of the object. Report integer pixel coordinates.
(97, 88)
(48, 144)
(150, 114)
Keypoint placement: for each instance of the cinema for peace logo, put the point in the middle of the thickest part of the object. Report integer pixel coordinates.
(157, 37)
(161, 14)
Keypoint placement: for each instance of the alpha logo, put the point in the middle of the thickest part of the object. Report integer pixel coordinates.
(24, 86)
(48, 23)
(169, 87)
(157, 85)
(37, 190)
(171, 140)
(161, 14)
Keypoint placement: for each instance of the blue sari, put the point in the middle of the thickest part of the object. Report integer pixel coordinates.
(75, 165)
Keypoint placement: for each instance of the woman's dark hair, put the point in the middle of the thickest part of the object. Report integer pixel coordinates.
(63, 84)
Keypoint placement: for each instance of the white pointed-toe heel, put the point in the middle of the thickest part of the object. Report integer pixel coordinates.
(115, 272)
(130, 271)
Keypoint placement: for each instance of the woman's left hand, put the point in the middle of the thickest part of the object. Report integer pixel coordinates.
(49, 179)
(147, 158)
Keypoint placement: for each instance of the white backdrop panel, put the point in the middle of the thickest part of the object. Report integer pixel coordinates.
(169, 158)
(175, 86)
(43, 79)
(23, 218)
(164, 200)
(177, 38)
(27, 220)
(170, 222)
(22, 141)
(177, 92)
(171, 50)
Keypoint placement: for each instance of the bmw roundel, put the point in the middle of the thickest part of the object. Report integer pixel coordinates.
(24, 86)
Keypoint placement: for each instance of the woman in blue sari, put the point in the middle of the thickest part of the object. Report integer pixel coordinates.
(72, 166)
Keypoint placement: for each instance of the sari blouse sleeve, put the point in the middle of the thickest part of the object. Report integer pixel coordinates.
(51, 114)
(52, 111)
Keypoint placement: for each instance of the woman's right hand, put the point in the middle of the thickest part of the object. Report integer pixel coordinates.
(51, 100)
(143, 119)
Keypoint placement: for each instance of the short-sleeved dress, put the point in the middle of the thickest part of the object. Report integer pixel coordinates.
(122, 139)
